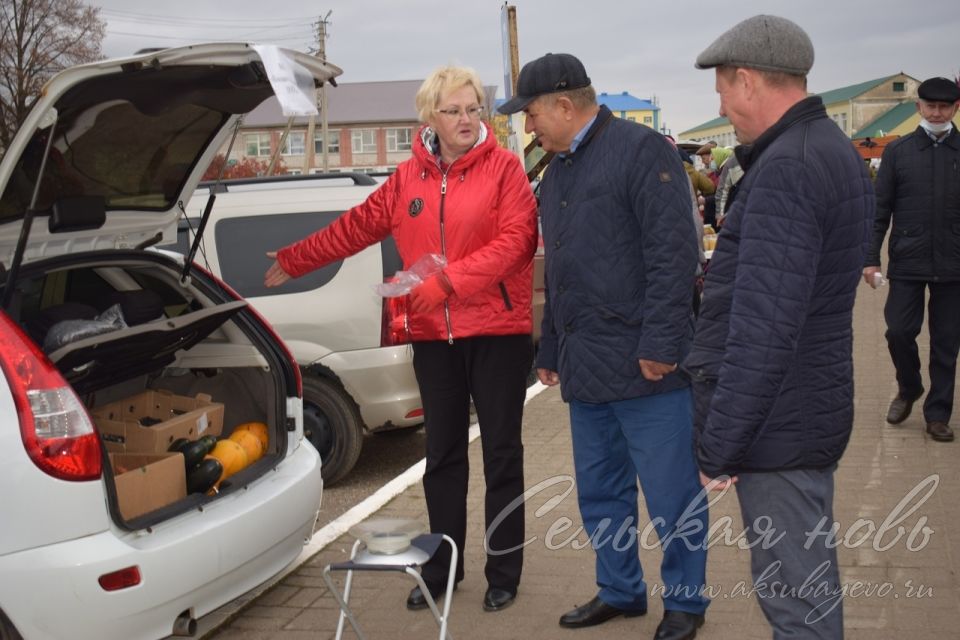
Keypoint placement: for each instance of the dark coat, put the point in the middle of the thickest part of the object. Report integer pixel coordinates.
(772, 356)
(918, 187)
(621, 257)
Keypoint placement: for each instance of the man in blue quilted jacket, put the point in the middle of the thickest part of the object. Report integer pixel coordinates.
(621, 257)
(918, 192)
(772, 362)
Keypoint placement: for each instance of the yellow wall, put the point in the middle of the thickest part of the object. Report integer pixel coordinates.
(638, 116)
(911, 123)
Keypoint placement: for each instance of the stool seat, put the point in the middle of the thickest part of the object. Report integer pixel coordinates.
(421, 550)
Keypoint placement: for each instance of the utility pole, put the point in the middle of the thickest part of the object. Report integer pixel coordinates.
(322, 53)
(310, 155)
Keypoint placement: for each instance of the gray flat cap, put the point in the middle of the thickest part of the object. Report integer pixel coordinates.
(768, 43)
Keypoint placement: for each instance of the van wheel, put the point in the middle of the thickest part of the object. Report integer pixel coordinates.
(332, 423)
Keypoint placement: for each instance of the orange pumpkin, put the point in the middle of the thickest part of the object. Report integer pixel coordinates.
(231, 455)
(250, 443)
(258, 429)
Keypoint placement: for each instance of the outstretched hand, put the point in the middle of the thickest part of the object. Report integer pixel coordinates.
(275, 275)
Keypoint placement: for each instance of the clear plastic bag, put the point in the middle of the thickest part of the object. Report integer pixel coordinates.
(67, 331)
(403, 282)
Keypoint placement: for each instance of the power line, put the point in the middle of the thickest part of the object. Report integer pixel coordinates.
(185, 39)
(216, 22)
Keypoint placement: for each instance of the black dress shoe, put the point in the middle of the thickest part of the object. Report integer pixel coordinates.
(678, 625)
(595, 612)
(416, 600)
(900, 408)
(940, 431)
(496, 599)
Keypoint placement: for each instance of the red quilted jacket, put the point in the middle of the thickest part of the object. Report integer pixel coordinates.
(482, 210)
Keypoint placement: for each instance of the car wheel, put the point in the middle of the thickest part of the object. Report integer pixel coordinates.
(332, 423)
(7, 631)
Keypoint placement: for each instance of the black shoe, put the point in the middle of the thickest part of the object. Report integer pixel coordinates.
(595, 612)
(496, 599)
(678, 625)
(940, 431)
(900, 408)
(416, 600)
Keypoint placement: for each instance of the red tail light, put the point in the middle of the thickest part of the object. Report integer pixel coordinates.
(393, 326)
(57, 432)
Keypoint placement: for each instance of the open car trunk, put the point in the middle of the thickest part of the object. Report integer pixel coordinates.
(158, 351)
(179, 348)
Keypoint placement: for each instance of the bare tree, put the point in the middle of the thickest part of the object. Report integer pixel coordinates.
(37, 39)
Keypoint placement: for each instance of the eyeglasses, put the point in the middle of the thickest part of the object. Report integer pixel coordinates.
(473, 113)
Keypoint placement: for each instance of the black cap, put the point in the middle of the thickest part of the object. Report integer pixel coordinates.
(939, 90)
(551, 73)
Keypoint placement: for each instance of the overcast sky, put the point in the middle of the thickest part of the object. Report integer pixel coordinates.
(644, 48)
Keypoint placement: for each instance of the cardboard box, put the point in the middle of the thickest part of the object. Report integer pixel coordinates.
(146, 482)
(168, 417)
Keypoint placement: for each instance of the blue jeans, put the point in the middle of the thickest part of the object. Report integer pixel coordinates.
(648, 438)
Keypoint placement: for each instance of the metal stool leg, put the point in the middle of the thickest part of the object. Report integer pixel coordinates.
(343, 602)
(444, 618)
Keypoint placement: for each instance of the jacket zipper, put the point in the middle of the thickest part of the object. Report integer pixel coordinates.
(443, 250)
(506, 297)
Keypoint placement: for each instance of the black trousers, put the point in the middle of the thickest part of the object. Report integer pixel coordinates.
(904, 315)
(493, 371)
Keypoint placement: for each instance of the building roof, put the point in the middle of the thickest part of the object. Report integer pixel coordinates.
(829, 97)
(887, 121)
(351, 102)
(710, 124)
(625, 102)
(844, 94)
(355, 103)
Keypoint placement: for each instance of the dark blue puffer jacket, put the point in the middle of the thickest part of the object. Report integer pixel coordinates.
(621, 257)
(771, 363)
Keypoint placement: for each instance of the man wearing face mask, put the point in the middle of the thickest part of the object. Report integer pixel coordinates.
(918, 190)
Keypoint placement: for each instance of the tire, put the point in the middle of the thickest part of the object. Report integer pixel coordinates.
(7, 630)
(332, 423)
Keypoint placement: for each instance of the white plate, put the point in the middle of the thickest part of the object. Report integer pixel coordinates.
(387, 536)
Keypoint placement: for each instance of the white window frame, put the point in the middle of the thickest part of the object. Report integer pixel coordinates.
(395, 142)
(257, 139)
(295, 144)
(359, 143)
(333, 147)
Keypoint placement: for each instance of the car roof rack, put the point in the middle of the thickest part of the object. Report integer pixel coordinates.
(359, 179)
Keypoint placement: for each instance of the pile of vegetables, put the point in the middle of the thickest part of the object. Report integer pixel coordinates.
(209, 461)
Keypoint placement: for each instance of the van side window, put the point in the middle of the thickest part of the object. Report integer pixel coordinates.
(242, 244)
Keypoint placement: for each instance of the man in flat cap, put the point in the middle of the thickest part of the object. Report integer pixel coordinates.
(621, 258)
(772, 363)
(918, 191)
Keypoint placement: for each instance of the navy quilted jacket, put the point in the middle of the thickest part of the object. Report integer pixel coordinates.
(621, 257)
(918, 186)
(771, 363)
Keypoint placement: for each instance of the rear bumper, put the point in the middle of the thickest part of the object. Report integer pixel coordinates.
(382, 383)
(195, 562)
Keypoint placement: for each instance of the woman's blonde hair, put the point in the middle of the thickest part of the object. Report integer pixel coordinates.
(443, 80)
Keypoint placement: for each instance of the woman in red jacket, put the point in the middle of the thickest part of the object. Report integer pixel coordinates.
(466, 198)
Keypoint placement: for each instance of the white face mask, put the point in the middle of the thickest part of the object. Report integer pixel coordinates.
(936, 127)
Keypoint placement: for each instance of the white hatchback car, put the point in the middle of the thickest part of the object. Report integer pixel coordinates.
(105, 533)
